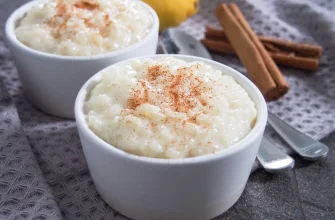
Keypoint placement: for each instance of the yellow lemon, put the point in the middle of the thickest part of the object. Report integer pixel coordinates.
(172, 12)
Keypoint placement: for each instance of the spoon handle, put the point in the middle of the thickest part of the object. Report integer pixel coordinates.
(305, 146)
(272, 158)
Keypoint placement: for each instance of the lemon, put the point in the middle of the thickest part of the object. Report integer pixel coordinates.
(173, 12)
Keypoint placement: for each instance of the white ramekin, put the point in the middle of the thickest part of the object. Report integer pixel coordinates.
(180, 189)
(51, 82)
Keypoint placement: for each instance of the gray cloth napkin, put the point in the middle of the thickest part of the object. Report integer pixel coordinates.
(43, 172)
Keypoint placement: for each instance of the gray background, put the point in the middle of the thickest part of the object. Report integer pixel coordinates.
(43, 173)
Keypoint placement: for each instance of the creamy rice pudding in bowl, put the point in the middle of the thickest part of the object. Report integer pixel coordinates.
(58, 44)
(170, 136)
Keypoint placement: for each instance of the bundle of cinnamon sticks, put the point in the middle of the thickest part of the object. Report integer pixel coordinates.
(259, 54)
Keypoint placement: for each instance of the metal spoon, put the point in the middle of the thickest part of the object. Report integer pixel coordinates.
(305, 146)
(273, 159)
(174, 41)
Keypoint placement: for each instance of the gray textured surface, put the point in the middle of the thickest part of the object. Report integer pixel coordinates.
(43, 173)
(306, 192)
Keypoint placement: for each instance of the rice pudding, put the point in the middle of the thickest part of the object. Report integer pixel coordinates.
(84, 27)
(168, 108)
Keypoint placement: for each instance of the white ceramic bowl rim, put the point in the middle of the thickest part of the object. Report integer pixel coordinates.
(19, 13)
(240, 145)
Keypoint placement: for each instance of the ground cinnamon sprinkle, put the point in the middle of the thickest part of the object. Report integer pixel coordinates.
(65, 11)
(181, 91)
(87, 22)
(107, 20)
(61, 8)
(154, 72)
(87, 4)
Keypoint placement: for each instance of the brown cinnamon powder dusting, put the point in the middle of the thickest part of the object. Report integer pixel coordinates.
(154, 72)
(87, 4)
(107, 20)
(66, 11)
(61, 8)
(181, 91)
(140, 96)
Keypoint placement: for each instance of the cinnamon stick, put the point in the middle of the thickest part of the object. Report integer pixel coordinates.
(259, 64)
(214, 33)
(270, 64)
(307, 50)
(301, 49)
(218, 46)
(282, 58)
